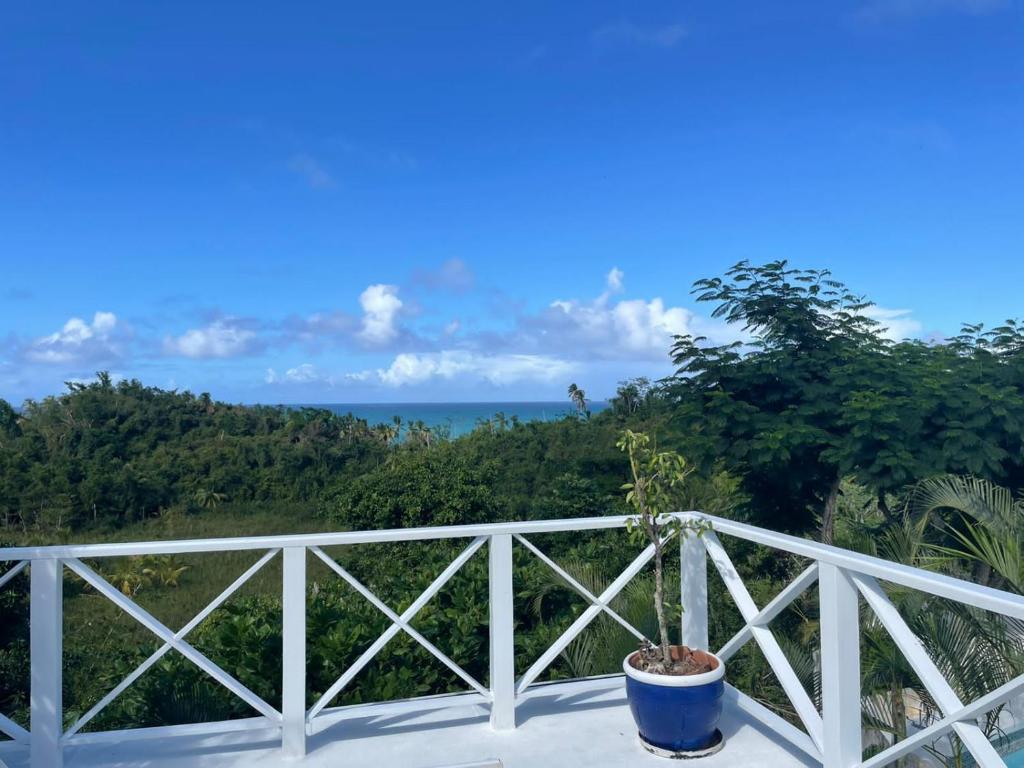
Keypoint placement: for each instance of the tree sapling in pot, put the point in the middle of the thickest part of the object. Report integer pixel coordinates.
(675, 692)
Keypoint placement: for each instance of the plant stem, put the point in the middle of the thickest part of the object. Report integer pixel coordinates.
(659, 603)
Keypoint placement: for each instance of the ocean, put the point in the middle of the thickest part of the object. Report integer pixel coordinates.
(458, 418)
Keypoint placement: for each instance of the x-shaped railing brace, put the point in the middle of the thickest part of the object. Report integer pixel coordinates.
(400, 623)
(598, 604)
(7, 725)
(172, 640)
(756, 621)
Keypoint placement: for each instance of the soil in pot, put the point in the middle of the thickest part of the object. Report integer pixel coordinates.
(685, 661)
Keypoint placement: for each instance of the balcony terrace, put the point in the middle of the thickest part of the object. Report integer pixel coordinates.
(509, 721)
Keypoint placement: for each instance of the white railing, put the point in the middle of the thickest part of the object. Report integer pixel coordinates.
(832, 735)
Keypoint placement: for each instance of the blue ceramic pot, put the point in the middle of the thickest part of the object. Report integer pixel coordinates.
(676, 713)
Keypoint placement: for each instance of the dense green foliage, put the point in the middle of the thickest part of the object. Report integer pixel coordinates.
(819, 395)
(106, 454)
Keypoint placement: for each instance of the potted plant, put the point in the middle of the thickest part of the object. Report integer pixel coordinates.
(674, 692)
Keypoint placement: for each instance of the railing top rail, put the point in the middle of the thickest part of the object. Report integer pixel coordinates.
(904, 575)
(932, 583)
(190, 546)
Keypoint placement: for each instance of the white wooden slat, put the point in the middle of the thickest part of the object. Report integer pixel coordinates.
(839, 611)
(162, 650)
(343, 538)
(147, 620)
(773, 654)
(293, 654)
(501, 633)
(13, 730)
(13, 572)
(381, 606)
(394, 629)
(586, 617)
(693, 591)
(929, 674)
(586, 593)
(46, 646)
(779, 603)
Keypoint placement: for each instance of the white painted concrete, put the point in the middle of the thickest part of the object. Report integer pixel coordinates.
(583, 724)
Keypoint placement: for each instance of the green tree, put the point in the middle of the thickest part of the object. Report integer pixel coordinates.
(818, 394)
(774, 407)
(579, 399)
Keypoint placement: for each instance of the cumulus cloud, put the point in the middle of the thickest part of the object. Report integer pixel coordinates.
(627, 33)
(378, 325)
(603, 328)
(411, 369)
(77, 342)
(225, 337)
(894, 324)
(306, 166)
(381, 306)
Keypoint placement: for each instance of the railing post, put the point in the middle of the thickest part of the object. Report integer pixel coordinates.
(293, 667)
(840, 668)
(693, 590)
(502, 651)
(46, 626)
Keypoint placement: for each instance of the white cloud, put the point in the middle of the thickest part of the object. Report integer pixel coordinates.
(895, 324)
(308, 168)
(614, 283)
(227, 337)
(411, 369)
(628, 33)
(381, 306)
(614, 280)
(301, 374)
(629, 329)
(77, 342)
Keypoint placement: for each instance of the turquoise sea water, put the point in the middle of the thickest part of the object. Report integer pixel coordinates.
(458, 418)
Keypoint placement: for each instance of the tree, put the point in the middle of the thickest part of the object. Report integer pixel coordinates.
(818, 394)
(8, 422)
(631, 396)
(579, 399)
(774, 407)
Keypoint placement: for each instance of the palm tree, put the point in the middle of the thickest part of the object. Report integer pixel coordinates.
(579, 399)
(165, 570)
(208, 499)
(990, 526)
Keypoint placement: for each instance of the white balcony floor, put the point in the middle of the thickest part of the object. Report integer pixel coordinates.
(584, 724)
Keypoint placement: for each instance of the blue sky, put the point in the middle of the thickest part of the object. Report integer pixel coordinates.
(341, 202)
